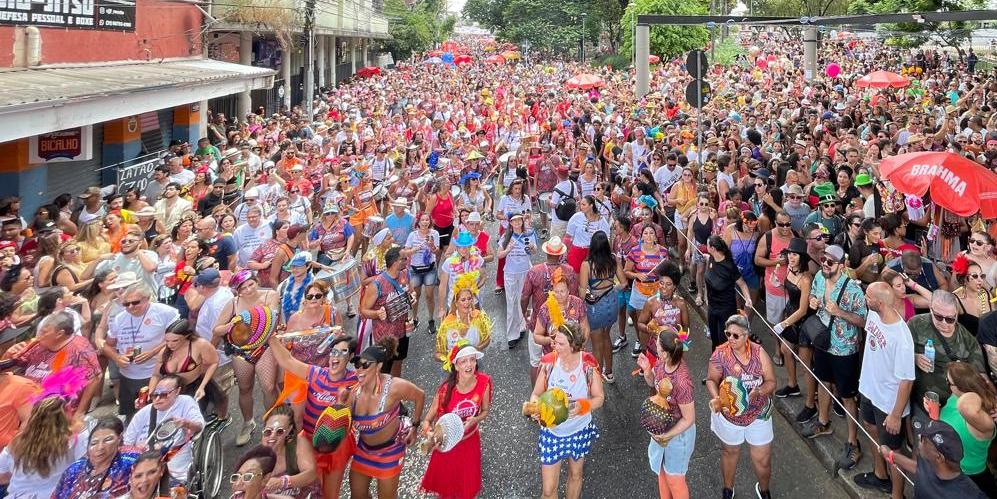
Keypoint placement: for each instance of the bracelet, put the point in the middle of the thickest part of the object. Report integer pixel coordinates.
(889, 458)
(285, 482)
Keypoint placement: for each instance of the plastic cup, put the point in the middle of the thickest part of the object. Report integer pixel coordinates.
(932, 405)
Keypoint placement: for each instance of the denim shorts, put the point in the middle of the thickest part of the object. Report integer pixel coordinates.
(674, 457)
(429, 278)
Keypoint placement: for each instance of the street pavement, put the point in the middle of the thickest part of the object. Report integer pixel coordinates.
(617, 465)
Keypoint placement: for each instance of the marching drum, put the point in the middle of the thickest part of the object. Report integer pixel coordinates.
(344, 279)
(380, 192)
(373, 226)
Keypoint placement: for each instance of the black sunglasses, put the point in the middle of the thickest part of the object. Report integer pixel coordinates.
(943, 318)
(784, 224)
(362, 363)
(317, 296)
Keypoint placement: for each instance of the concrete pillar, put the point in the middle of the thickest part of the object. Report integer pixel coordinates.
(642, 49)
(202, 121)
(354, 42)
(333, 60)
(246, 59)
(809, 52)
(320, 58)
(285, 74)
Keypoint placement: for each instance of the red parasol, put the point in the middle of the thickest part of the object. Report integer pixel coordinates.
(368, 71)
(653, 59)
(584, 81)
(463, 59)
(434, 53)
(957, 184)
(495, 59)
(882, 79)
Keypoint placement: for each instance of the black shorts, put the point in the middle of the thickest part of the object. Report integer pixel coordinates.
(400, 354)
(872, 415)
(445, 233)
(842, 371)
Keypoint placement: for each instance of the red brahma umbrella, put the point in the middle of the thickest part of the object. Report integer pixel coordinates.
(495, 59)
(368, 71)
(434, 53)
(653, 59)
(584, 81)
(463, 59)
(882, 79)
(957, 184)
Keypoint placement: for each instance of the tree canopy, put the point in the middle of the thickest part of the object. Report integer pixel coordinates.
(666, 41)
(418, 27)
(552, 27)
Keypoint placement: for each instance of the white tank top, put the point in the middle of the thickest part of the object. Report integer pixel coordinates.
(576, 386)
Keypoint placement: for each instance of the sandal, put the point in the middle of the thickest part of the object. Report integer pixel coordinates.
(779, 360)
(699, 301)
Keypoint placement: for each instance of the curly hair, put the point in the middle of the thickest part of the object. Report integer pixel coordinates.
(44, 440)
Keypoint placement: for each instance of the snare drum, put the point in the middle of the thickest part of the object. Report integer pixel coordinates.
(373, 226)
(380, 192)
(344, 279)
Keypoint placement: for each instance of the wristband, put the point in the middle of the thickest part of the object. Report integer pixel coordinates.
(889, 458)
(285, 482)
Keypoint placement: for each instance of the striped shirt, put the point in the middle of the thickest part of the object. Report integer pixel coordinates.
(323, 392)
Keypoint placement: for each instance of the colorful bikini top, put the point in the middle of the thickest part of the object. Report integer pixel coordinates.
(373, 423)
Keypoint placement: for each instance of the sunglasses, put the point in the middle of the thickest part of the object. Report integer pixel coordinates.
(244, 477)
(339, 353)
(129, 241)
(821, 237)
(318, 296)
(162, 394)
(759, 185)
(784, 224)
(829, 261)
(733, 335)
(280, 432)
(978, 242)
(132, 303)
(362, 363)
(856, 224)
(975, 276)
(943, 318)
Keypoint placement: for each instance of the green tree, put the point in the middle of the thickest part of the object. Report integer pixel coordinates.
(666, 41)
(416, 28)
(551, 27)
(951, 34)
(794, 8)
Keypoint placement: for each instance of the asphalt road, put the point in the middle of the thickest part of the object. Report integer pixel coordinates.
(617, 465)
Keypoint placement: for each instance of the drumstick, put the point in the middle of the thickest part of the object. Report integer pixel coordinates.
(307, 332)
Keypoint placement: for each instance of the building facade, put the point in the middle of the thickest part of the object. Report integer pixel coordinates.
(88, 89)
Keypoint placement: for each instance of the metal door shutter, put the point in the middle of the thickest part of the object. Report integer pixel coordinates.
(157, 130)
(75, 176)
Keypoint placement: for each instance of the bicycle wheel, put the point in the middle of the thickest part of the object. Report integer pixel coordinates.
(212, 465)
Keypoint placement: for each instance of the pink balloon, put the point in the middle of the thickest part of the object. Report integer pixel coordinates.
(833, 70)
(762, 63)
(770, 58)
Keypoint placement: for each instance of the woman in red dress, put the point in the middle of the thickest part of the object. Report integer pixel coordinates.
(468, 393)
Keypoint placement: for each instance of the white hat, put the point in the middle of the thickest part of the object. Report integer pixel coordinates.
(468, 351)
(474, 217)
(124, 280)
(380, 236)
(252, 192)
(400, 201)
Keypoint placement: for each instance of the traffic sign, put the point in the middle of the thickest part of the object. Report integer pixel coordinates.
(696, 64)
(698, 93)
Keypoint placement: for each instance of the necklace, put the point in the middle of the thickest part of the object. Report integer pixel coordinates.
(984, 299)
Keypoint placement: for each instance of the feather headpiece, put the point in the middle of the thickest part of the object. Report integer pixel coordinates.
(960, 266)
(66, 383)
(467, 281)
(554, 309)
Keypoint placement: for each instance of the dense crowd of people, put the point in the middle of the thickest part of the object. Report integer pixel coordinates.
(605, 222)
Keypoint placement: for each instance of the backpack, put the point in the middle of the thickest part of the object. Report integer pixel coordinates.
(566, 205)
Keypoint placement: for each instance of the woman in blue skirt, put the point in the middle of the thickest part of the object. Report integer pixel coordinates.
(598, 277)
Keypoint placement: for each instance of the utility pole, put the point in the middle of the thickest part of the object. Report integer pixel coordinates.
(309, 39)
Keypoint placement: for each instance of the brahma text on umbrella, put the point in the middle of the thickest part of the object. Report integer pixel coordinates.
(956, 183)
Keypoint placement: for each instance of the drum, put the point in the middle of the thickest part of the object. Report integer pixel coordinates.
(373, 226)
(455, 191)
(344, 279)
(380, 191)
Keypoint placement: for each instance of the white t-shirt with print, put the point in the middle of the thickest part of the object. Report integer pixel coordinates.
(145, 331)
(888, 360)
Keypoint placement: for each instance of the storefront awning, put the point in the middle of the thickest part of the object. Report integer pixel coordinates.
(41, 100)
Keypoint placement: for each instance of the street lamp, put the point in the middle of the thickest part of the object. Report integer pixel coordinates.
(581, 41)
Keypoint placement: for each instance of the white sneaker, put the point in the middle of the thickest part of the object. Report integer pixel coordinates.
(246, 433)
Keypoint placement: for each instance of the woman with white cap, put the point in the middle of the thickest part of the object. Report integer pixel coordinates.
(467, 393)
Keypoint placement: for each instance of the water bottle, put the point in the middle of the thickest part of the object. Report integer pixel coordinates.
(929, 352)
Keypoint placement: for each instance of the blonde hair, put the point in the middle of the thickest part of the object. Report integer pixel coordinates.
(91, 234)
(44, 439)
